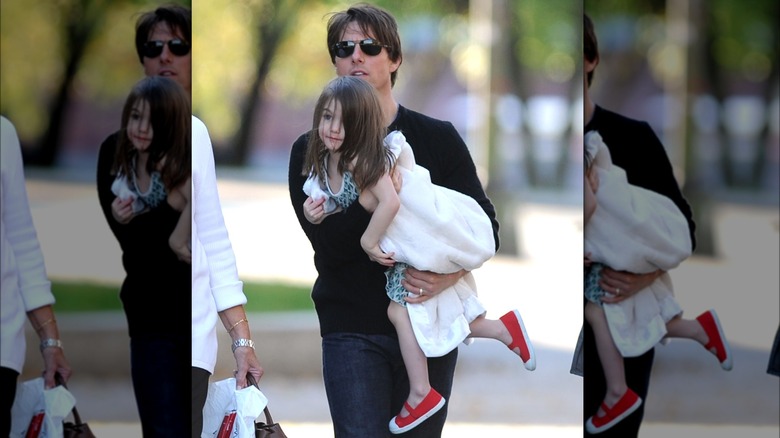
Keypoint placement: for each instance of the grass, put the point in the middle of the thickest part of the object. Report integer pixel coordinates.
(86, 296)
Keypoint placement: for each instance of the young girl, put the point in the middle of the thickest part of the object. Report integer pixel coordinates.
(149, 169)
(152, 165)
(629, 228)
(428, 227)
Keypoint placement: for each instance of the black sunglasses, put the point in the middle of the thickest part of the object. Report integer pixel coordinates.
(153, 49)
(369, 46)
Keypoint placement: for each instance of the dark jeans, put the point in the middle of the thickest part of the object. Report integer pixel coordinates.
(160, 368)
(366, 384)
(8, 383)
(595, 387)
(200, 389)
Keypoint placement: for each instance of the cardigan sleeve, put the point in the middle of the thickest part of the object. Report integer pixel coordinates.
(34, 285)
(209, 223)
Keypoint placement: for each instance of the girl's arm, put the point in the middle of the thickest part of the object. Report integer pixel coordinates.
(387, 205)
(590, 203)
(180, 240)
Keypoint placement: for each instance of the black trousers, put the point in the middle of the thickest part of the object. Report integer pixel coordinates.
(200, 389)
(8, 383)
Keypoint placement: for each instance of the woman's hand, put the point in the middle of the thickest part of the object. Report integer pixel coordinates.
(246, 363)
(54, 362)
(621, 284)
(122, 210)
(422, 285)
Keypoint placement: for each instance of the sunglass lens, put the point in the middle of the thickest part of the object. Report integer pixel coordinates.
(370, 49)
(179, 47)
(344, 49)
(152, 49)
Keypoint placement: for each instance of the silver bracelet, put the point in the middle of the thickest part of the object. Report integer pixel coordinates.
(50, 342)
(243, 343)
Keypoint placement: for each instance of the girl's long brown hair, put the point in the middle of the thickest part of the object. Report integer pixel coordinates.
(171, 117)
(364, 133)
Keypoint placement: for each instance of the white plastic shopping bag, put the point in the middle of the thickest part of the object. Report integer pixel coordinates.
(38, 412)
(231, 413)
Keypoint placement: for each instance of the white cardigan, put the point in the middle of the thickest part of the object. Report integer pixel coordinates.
(636, 230)
(215, 283)
(24, 286)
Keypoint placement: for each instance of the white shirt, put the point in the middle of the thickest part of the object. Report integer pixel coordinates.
(215, 283)
(24, 285)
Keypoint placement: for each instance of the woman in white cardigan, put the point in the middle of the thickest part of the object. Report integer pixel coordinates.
(25, 289)
(217, 291)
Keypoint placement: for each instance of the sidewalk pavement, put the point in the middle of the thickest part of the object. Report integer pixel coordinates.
(492, 391)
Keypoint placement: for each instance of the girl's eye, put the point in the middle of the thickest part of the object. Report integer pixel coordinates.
(327, 117)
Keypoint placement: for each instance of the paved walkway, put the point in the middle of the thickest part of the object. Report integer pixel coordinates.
(493, 395)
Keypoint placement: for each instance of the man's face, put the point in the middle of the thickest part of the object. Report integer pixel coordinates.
(176, 67)
(374, 69)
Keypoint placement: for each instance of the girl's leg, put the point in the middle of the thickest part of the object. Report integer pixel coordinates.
(508, 329)
(686, 328)
(414, 359)
(707, 331)
(611, 359)
(490, 329)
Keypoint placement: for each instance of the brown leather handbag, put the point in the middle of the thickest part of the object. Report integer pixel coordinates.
(77, 429)
(269, 429)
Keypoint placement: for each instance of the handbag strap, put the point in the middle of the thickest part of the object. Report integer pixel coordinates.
(268, 419)
(76, 417)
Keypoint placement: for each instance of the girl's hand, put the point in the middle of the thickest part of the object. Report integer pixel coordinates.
(621, 284)
(122, 210)
(588, 261)
(376, 254)
(314, 211)
(422, 285)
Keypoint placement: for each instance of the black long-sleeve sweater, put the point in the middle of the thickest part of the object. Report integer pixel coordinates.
(157, 291)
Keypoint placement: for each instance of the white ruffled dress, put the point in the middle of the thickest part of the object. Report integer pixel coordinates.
(636, 230)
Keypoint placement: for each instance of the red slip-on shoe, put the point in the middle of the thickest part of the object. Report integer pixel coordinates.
(429, 406)
(514, 323)
(717, 344)
(612, 416)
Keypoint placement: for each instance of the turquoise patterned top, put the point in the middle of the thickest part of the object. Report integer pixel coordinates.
(156, 193)
(348, 193)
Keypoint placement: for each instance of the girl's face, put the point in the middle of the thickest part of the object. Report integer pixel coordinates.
(331, 129)
(139, 126)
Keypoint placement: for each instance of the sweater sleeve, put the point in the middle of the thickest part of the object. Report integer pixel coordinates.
(209, 224)
(34, 284)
